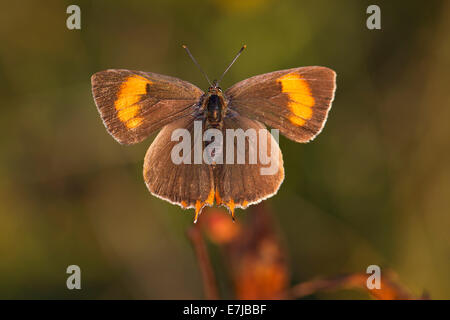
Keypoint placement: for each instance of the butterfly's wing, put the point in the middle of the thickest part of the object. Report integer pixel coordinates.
(134, 104)
(187, 185)
(240, 185)
(295, 101)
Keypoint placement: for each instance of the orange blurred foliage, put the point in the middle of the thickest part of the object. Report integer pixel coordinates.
(258, 265)
(390, 288)
(257, 261)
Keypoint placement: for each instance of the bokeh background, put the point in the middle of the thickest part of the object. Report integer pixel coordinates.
(373, 188)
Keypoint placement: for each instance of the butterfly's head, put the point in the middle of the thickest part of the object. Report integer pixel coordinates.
(214, 88)
(215, 84)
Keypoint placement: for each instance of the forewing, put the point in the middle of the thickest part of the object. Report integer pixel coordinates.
(134, 104)
(240, 185)
(295, 101)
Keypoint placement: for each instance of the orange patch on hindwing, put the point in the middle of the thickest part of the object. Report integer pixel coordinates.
(128, 97)
(218, 198)
(199, 204)
(300, 97)
(230, 206)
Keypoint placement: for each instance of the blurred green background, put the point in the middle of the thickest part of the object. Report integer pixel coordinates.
(373, 188)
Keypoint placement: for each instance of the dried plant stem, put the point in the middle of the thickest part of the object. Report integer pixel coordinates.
(390, 289)
(209, 281)
(317, 285)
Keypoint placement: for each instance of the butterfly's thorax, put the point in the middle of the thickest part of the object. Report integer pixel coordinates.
(214, 107)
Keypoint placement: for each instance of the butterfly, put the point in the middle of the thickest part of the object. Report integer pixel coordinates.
(135, 104)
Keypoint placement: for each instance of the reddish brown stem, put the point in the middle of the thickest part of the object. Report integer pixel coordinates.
(390, 289)
(209, 281)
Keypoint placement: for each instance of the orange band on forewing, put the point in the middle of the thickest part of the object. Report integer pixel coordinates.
(301, 100)
(297, 120)
(129, 95)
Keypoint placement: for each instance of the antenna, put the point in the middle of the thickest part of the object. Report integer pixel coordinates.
(235, 58)
(196, 63)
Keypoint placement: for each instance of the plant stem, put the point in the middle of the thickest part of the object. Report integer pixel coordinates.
(209, 281)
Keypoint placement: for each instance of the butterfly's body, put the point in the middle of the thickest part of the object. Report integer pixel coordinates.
(213, 107)
(133, 104)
